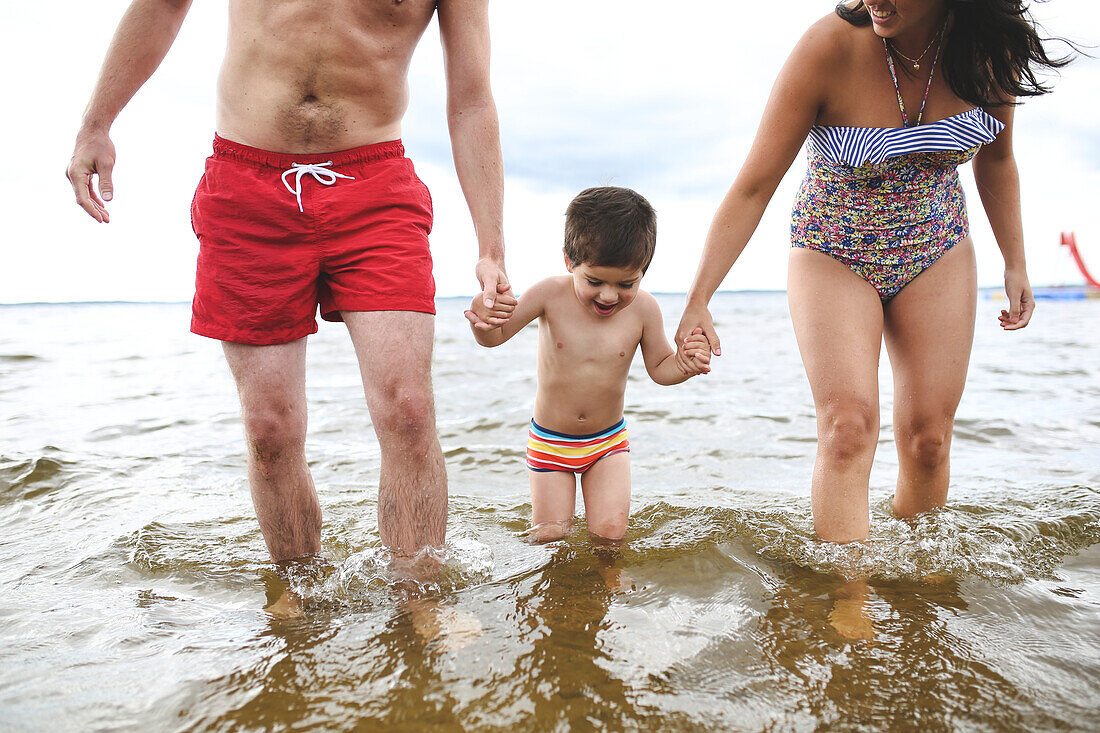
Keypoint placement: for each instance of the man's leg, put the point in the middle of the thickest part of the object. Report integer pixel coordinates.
(271, 383)
(395, 359)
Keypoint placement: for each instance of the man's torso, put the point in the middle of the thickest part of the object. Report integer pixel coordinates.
(313, 76)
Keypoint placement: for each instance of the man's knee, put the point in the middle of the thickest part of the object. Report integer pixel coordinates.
(405, 412)
(274, 431)
(849, 432)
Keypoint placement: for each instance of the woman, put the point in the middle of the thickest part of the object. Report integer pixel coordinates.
(893, 96)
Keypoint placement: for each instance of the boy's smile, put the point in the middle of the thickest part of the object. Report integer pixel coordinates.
(603, 289)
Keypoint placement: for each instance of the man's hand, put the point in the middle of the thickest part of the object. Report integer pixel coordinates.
(93, 155)
(494, 306)
(493, 280)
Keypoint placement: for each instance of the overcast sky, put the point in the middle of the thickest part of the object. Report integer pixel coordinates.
(658, 96)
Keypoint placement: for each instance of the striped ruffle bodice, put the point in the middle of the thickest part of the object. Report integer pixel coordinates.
(858, 146)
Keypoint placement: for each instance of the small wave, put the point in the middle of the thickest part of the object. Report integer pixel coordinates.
(140, 427)
(196, 551)
(31, 477)
(1005, 541)
(19, 358)
(371, 577)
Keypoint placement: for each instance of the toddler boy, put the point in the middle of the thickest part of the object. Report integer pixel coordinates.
(591, 322)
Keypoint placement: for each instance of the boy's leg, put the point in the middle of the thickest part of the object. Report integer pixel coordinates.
(271, 383)
(606, 489)
(553, 502)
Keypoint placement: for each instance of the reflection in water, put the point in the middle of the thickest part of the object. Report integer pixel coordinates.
(915, 671)
(564, 609)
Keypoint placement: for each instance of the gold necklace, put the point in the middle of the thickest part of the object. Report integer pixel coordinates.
(916, 62)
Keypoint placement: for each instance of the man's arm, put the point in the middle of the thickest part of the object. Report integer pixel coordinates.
(475, 134)
(142, 39)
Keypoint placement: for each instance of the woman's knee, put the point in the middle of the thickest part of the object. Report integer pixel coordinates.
(848, 433)
(926, 444)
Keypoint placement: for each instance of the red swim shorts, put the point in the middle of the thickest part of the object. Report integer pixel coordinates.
(280, 234)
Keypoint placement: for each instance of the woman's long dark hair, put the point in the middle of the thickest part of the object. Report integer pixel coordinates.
(992, 51)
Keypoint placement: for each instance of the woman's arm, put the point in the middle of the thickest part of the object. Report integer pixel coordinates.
(796, 99)
(999, 187)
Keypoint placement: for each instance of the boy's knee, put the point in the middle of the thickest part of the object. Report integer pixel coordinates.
(550, 531)
(608, 530)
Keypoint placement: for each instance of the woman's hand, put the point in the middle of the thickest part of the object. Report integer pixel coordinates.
(1021, 303)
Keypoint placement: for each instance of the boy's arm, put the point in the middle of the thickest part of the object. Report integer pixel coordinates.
(657, 352)
(528, 307)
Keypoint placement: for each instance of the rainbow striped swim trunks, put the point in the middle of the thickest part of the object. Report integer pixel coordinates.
(549, 450)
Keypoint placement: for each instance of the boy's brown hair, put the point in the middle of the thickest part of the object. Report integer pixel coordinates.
(610, 226)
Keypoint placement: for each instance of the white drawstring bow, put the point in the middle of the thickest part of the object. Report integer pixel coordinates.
(320, 173)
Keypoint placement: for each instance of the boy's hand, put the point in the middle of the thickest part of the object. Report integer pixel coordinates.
(486, 318)
(694, 354)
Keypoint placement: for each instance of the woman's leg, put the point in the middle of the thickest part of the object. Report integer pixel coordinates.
(929, 334)
(837, 320)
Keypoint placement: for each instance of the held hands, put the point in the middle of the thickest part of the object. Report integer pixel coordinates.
(93, 155)
(485, 318)
(694, 352)
(493, 306)
(1021, 302)
(696, 323)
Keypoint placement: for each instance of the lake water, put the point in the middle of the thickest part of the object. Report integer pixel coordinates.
(133, 576)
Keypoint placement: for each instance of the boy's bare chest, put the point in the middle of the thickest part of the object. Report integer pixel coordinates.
(605, 347)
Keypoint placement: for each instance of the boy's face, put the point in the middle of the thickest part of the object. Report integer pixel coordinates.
(604, 290)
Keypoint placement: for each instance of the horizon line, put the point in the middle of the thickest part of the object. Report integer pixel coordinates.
(15, 304)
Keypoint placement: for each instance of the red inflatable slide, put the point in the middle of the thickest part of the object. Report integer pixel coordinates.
(1069, 240)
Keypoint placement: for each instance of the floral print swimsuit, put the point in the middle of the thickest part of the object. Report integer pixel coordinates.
(887, 202)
